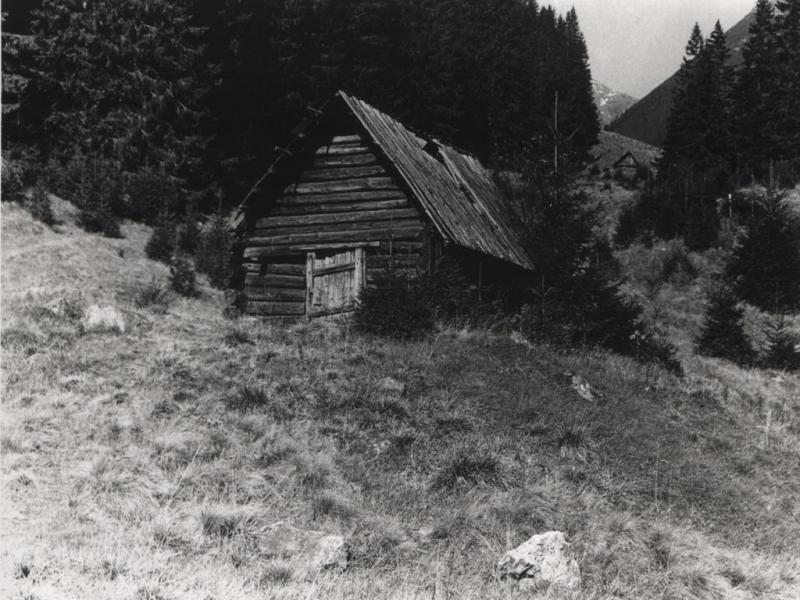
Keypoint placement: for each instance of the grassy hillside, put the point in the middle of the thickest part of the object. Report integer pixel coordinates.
(155, 464)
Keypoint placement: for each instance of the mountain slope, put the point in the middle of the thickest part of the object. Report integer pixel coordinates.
(610, 104)
(647, 119)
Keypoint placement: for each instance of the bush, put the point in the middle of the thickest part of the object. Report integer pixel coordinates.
(723, 335)
(12, 183)
(153, 295)
(150, 196)
(394, 308)
(782, 347)
(99, 197)
(161, 245)
(40, 205)
(677, 264)
(214, 252)
(20, 168)
(182, 276)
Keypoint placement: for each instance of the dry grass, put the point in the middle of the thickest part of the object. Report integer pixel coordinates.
(135, 466)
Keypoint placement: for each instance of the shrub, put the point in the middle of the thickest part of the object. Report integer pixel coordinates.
(150, 196)
(677, 264)
(153, 295)
(99, 197)
(655, 348)
(182, 276)
(40, 205)
(782, 347)
(64, 179)
(723, 335)
(394, 308)
(214, 251)
(12, 182)
(161, 244)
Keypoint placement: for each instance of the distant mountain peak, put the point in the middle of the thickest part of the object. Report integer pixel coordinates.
(610, 104)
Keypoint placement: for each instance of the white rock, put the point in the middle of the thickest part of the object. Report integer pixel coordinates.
(102, 318)
(391, 385)
(330, 553)
(545, 559)
(520, 339)
(585, 389)
(310, 551)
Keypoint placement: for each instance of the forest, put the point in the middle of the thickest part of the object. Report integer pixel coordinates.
(208, 93)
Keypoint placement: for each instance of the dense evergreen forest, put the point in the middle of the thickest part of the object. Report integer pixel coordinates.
(207, 93)
(730, 126)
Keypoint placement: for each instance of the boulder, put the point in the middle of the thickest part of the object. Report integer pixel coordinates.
(311, 551)
(584, 389)
(392, 386)
(521, 340)
(545, 559)
(100, 319)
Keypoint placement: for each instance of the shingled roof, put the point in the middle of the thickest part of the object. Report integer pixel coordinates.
(454, 189)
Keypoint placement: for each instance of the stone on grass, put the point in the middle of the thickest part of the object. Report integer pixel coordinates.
(584, 389)
(392, 386)
(545, 559)
(311, 551)
(100, 319)
(521, 340)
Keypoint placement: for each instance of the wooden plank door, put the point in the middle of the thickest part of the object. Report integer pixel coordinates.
(333, 281)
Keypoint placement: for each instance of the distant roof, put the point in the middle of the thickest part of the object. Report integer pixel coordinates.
(456, 191)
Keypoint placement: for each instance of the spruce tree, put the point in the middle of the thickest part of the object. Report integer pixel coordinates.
(787, 101)
(214, 251)
(766, 263)
(578, 102)
(756, 90)
(783, 347)
(722, 334)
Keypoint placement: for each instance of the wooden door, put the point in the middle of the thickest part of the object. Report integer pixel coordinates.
(333, 281)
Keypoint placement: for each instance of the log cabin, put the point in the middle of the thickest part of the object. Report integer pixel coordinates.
(357, 194)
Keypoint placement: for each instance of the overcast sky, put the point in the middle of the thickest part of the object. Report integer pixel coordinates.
(635, 44)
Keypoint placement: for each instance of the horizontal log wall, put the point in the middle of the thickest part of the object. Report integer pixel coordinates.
(344, 199)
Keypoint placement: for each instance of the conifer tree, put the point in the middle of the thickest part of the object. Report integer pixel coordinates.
(766, 264)
(722, 334)
(783, 347)
(787, 101)
(756, 90)
(579, 101)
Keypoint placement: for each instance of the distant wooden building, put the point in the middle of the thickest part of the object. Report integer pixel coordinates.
(627, 162)
(356, 194)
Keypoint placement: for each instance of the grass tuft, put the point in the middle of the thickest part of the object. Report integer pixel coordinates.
(236, 336)
(275, 574)
(333, 506)
(249, 398)
(153, 295)
(468, 468)
(220, 522)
